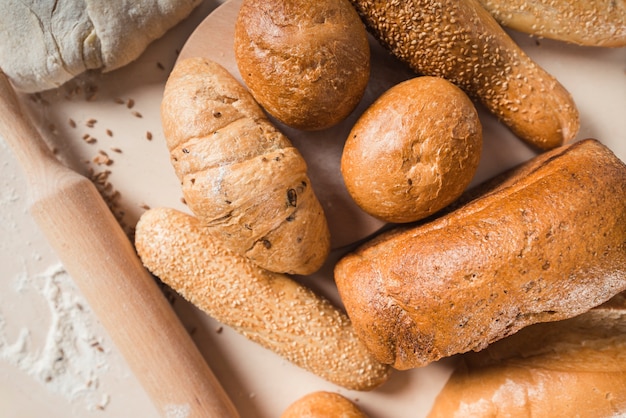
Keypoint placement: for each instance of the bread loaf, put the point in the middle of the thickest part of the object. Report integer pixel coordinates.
(461, 42)
(323, 404)
(548, 243)
(306, 62)
(268, 308)
(413, 151)
(240, 175)
(583, 22)
(570, 368)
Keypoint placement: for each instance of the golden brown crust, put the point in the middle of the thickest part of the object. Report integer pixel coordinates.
(548, 243)
(268, 308)
(574, 367)
(413, 151)
(239, 174)
(461, 42)
(323, 404)
(307, 63)
(583, 22)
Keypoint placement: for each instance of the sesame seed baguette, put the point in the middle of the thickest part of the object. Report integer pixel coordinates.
(268, 308)
(583, 22)
(461, 42)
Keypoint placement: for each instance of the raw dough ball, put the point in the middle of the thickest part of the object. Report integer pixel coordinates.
(413, 151)
(43, 44)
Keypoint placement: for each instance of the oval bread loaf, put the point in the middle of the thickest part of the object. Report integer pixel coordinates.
(323, 404)
(413, 151)
(268, 308)
(570, 368)
(461, 42)
(306, 62)
(240, 175)
(547, 244)
(583, 22)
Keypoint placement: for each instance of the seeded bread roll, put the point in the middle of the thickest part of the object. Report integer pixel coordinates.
(306, 62)
(583, 22)
(323, 405)
(413, 151)
(268, 308)
(461, 42)
(570, 368)
(548, 243)
(240, 175)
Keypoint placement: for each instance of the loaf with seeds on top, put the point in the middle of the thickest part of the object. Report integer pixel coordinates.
(268, 308)
(460, 41)
(584, 22)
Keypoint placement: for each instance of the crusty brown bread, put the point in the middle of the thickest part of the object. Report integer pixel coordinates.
(413, 151)
(306, 62)
(460, 41)
(570, 368)
(269, 308)
(547, 244)
(240, 175)
(583, 22)
(323, 404)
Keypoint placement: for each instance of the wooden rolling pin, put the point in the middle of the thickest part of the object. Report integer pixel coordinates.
(102, 261)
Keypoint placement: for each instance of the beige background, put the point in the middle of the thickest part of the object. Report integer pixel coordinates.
(36, 305)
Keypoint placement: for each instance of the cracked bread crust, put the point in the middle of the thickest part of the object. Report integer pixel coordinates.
(574, 367)
(307, 63)
(549, 243)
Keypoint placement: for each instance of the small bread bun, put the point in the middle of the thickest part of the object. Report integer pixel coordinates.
(323, 405)
(414, 151)
(307, 63)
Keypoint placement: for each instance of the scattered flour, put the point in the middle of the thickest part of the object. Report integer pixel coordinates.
(177, 411)
(72, 358)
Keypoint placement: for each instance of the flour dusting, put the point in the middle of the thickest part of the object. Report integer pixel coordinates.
(72, 358)
(177, 411)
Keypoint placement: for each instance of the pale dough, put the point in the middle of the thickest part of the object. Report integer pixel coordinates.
(43, 44)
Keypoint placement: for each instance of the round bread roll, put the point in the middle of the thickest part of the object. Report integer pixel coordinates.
(307, 63)
(44, 44)
(413, 151)
(323, 404)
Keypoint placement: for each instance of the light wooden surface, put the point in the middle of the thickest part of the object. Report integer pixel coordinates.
(99, 256)
(260, 383)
